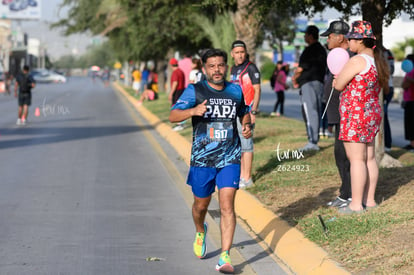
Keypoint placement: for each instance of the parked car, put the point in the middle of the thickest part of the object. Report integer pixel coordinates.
(46, 76)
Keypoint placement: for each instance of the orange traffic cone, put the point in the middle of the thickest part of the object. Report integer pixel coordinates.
(37, 112)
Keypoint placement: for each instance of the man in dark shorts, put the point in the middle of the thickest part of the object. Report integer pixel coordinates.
(24, 83)
(246, 74)
(214, 106)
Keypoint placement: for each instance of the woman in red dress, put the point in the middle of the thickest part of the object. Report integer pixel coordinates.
(361, 81)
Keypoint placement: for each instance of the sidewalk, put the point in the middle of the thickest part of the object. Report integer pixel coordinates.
(288, 244)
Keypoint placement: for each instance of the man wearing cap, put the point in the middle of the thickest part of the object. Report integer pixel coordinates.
(177, 82)
(177, 86)
(336, 34)
(309, 76)
(246, 74)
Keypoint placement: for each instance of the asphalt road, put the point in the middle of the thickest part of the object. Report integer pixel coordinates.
(293, 110)
(88, 188)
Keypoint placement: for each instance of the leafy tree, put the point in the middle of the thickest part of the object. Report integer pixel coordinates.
(220, 31)
(277, 28)
(138, 30)
(377, 12)
(82, 17)
(67, 61)
(399, 50)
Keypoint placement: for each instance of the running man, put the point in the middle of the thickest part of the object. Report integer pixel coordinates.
(214, 106)
(24, 84)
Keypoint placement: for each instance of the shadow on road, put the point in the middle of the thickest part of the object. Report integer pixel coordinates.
(45, 135)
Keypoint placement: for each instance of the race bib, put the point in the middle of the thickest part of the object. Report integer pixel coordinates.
(220, 131)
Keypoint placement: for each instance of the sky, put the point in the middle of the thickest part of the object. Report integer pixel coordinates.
(56, 44)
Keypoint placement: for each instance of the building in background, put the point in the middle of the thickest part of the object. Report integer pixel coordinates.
(14, 42)
(5, 44)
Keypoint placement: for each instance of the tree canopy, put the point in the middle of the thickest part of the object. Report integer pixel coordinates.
(154, 29)
(139, 30)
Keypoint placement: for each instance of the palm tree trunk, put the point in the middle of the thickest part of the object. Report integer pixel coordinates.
(374, 11)
(246, 25)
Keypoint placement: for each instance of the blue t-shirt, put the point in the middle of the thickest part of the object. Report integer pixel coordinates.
(216, 142)
(145, 75)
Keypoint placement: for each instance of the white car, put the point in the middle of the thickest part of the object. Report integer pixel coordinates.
(45, 76)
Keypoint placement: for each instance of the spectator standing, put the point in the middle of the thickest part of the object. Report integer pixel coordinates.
(279, 85)
(309, 76)
(145, 78)
(246, 74)
(196, 73)
(408, 104)
(105, 77)
(176, 88)
(24, 84)
(360, 82)
(336, 34)
(8, 77)
(215, 154)
(186, 65)
(136, 80)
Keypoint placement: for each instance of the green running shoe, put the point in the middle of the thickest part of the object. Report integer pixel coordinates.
(224, 264)
(199, 245)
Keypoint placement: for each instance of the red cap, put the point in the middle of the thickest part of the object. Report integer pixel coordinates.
(173, 61)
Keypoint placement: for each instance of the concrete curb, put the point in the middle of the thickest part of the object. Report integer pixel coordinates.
(289, 244)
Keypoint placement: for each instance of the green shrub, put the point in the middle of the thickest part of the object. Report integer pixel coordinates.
(266, 70)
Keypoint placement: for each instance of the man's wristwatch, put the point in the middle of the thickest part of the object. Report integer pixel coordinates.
(254, 112)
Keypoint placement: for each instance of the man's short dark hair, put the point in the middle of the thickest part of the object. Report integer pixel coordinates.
(312, 30)
(214, 52)
(26, 68)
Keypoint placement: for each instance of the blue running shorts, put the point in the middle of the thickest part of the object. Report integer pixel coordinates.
(203, 180)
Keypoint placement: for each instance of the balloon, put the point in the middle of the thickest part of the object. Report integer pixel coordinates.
(407, 65)
(336, 60)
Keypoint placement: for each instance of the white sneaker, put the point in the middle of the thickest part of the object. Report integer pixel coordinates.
(328, 134)
(273, 114)
(19, 121)
(178, 128)
(244, 184)
(310, 147)
(387, 149)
